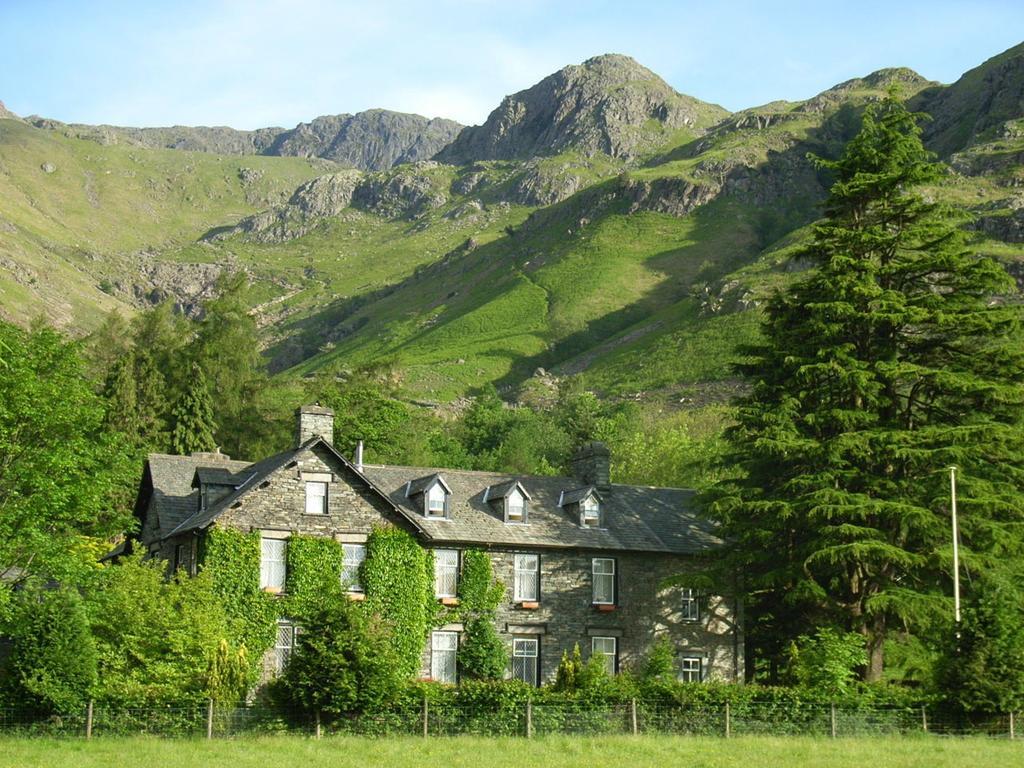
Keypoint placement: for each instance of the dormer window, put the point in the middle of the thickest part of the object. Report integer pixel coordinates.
(431, 494)
(510, 500)
(515, 508)
(590, 512)
(436, 501)
(585, 505)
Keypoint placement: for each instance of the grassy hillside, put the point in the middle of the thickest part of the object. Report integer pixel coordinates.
(75, 215)
(640, 272)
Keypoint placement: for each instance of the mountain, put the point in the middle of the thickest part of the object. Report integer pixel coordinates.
(598, 223)
(371, 141)
(609, 104)
(975, 107)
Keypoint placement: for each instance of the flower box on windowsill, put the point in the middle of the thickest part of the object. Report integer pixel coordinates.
(357, 596)
(449, 601)
(529, 605)
(604, 607)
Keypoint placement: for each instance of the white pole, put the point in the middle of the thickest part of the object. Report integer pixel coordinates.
(956, 549)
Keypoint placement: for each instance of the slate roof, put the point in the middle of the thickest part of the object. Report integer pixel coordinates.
(174, 497)
(636, 517)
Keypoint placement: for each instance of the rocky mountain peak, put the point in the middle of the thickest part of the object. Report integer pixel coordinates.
(6, 114)
(907, 81)
(608, 104)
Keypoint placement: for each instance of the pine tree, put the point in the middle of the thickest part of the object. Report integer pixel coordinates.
(194, 425)
(890, 361)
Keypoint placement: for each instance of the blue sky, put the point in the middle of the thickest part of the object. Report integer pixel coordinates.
(254, 63)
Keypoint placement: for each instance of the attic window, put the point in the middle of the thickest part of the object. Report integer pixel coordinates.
(436, 501)
(590, 512)
(515, 508)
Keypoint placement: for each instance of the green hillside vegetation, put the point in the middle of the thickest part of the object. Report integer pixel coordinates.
(640, 270)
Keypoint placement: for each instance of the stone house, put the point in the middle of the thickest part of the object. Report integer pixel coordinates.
(583, 560)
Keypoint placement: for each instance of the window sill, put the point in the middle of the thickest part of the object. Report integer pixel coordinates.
(356, 596)
(529, 605)
(273, 590)
(449, 601)
(605, 607)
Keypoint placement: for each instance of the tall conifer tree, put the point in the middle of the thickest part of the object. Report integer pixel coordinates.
(194, 425)
(893, 359)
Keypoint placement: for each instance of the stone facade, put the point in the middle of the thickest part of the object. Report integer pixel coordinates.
(272, 499)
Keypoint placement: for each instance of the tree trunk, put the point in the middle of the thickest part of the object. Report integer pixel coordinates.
(874, 635)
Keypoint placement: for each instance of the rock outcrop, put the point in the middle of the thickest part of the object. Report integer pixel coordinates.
(608, 104)
(374, 140)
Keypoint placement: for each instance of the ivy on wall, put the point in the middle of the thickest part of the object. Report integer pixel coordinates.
(233, 561)
(398, 576)
(483, 655)
(314, 574)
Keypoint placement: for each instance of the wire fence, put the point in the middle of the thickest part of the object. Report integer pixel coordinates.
(526, 720)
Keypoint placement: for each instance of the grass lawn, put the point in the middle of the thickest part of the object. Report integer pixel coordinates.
(744, 752)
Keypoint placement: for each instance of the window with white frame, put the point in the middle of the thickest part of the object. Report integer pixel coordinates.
(283, 645)
(316, 497)
(443, 649)
(526, 578)
(691, 669)
(515, 507)
(689, 607)
(273, 554)
(525, 652)
(352, 559)
(603, 569)
(606, 649)
(446, 572)
(436, 501)
(590, 512)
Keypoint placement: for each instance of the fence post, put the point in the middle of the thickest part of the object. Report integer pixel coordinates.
(833, 720)
(1012, 734)
(632, 716)
(426, 716)
(209, 718)
(529, 718)
(728, 720)
(924, 719)
(319, 730)
(88, 721)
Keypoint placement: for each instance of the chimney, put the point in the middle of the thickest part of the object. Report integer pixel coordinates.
(592, 465)
(314, 421)
(359, 456)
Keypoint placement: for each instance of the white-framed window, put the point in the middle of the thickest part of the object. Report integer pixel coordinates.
(316, 497)
(606, 649)
(443, 649)
(446, 572)
(273, 556)
(352, 558)
(525, 652)
(603, 569)
(515, 507)
(691, 669)
(283, 645)
(590, 512)
(689, 606)
(526, 578)
(436, 501)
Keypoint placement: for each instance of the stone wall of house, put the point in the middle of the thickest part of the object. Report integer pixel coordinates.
(644, 610)
(279, 503)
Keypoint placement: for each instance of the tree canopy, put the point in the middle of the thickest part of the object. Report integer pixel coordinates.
(892, 359)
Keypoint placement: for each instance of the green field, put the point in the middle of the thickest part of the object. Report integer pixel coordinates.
(748, 752)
